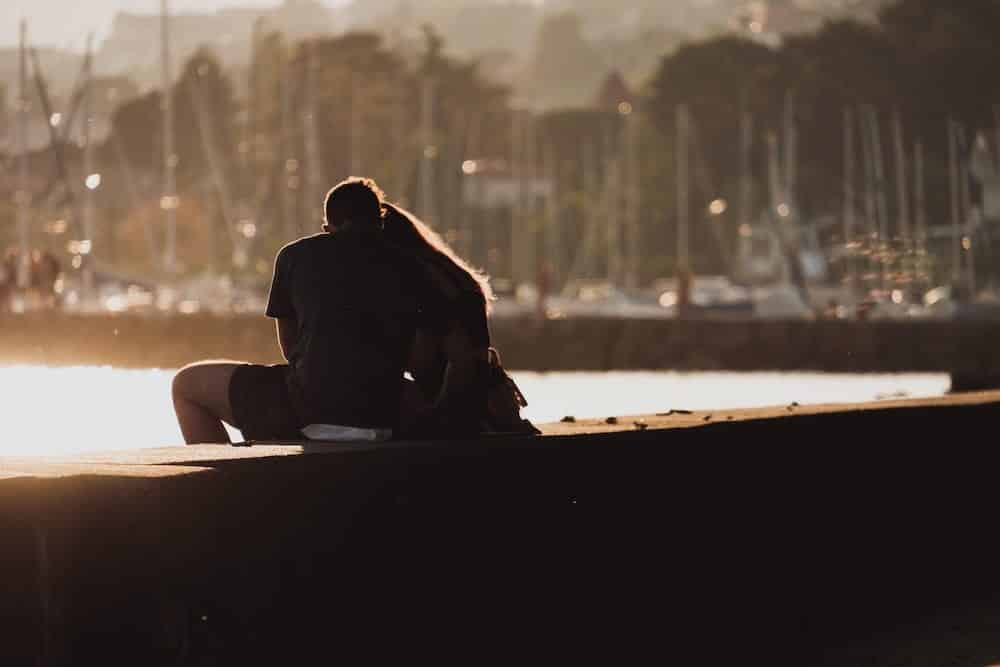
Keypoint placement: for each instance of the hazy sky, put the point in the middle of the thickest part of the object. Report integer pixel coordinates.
(66, 22)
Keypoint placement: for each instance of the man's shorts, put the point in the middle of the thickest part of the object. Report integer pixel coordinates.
(261, 405)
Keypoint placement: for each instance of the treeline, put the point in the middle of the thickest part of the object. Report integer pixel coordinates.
(925, 61)
(256, 148)
(266, 148)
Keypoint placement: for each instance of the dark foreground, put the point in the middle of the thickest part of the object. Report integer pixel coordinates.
(791, 536)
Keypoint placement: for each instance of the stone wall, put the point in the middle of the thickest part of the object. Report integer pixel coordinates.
(845, 539)
(583, 344)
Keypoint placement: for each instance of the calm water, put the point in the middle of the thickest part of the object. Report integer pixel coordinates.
(66, 410)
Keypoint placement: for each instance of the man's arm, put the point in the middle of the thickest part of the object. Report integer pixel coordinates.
(279, 304)
(288, 335)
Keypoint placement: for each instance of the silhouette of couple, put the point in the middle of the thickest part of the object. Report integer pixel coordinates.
(376, 295)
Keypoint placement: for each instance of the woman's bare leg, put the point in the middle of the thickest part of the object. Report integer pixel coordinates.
(201, 401)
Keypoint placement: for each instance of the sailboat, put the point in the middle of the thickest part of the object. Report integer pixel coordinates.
(975, 226)
(777, 257)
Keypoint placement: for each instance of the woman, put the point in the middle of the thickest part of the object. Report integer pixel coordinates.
(459, 386)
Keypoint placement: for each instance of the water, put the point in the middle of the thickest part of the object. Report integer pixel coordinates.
(67, 410)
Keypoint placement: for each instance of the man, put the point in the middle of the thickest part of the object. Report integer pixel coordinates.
(347, 306)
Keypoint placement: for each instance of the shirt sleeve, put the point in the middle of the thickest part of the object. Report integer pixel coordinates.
(279, 300)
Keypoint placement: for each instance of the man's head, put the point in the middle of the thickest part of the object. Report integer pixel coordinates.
(353, 200)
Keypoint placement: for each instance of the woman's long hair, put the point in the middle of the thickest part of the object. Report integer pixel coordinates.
(405, 230)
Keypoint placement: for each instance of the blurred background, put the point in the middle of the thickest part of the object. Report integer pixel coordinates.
(795, 162)
(803, 158)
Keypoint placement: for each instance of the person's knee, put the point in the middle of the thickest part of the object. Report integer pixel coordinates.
(186, 382)
(205, 384)
(178, 386)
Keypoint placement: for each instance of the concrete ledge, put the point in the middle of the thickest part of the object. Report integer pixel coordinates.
(797, 535)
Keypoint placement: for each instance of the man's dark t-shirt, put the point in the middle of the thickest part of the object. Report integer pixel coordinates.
(357, 304)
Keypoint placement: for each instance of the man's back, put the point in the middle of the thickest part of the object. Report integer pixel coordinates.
(356, 303)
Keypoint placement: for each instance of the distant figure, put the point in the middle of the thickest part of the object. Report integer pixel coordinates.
(832, 310)
(544, 289)
(45, 271)
(864, 308)
(6, 286)
(684, 285)
(960, 293)
(10, 262)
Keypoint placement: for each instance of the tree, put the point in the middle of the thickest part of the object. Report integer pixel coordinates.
(204, 107)
(138, 126)
(926, 60)
(717, 81)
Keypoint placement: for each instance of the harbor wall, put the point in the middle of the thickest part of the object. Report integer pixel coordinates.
(747, 541)
(964, 348)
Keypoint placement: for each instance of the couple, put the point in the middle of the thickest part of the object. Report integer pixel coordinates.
(377, 294)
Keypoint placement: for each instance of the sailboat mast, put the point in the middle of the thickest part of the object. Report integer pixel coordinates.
(956, 246)
(472, 151)
(965, 205)
(634, 194)
(314, 161)
(168, 203)
(529, 238)
(790, 139)
(247, 175)
(257, 183)
(996, 131)
(216, 163)
(290, 165)
(582, 263)
(552, 240)
(612, 211)
(355, 129)
(746, 186)
(681, 151)
(920, 213)
(88, 171)
(517, 178)
(773, 172)
(902, 203)
(881, 205)
(849, 196)
(22, 160)
(871, 216)
(427, 150)
(135, 203)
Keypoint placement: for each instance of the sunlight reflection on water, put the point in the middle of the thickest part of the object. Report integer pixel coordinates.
(66, 410)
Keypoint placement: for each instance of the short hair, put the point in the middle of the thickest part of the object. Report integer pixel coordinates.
(354, 198)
